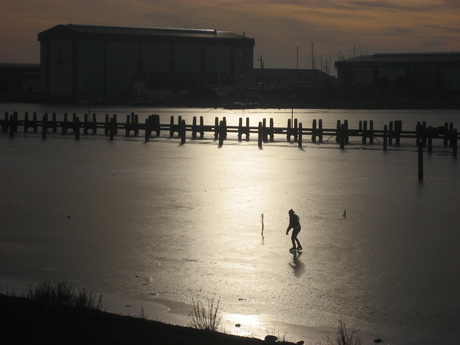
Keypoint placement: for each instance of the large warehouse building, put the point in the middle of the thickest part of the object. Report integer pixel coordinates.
(122, 62)
(403, 74)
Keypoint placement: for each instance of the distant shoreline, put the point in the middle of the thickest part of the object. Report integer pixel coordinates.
(321, 102)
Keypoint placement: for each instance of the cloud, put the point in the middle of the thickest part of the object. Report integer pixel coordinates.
(279, 26)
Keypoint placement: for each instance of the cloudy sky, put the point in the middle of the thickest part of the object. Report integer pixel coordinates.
(280, 27)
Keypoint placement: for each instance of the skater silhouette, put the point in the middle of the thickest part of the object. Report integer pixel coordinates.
(294, 224)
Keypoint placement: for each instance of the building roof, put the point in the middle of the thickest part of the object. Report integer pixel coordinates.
(93, 32)
(389, 58)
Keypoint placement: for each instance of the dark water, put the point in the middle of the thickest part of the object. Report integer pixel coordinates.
(162, 224)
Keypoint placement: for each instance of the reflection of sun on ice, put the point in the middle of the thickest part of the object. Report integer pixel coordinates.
(243, 325)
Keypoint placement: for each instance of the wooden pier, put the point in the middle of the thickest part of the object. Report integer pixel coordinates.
(294, 131)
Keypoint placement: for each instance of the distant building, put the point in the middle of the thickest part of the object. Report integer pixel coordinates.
(122, 62)
(19, 80)
(401, 75)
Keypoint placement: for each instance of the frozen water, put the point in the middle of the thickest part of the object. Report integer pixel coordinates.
(162, 224)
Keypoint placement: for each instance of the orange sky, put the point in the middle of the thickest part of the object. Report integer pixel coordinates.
(278, 26)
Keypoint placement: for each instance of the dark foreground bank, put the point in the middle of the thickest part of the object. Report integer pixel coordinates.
(23, 321)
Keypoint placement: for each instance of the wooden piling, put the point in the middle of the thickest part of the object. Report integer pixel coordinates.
(390, 135)
(260, 135)
(300, 135)
(216, 128)
(313, 131)
(342, 136)
(13, 124)
(194, 128)
(288, 130)
(272, 130)
(385, 137)
(265, 130)
(364, 137)
(44, 125)
(320, 130)
(454, 143)
(222, 132)
(338, 132)
(112, 127)
(77, 128)
(182, 132)
(147, 130)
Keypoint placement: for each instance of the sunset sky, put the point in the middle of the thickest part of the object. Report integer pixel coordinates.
(279, 26)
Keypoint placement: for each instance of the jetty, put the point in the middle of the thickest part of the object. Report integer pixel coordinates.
(265, 131)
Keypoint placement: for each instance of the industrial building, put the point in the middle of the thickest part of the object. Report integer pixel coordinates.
(117, 63)
(401, 75)
(19, 81)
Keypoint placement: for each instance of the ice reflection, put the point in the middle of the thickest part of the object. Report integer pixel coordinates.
(246, 325)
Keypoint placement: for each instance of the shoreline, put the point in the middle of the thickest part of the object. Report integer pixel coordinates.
(29, 322)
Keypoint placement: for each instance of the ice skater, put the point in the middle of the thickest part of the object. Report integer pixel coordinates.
(294, 224)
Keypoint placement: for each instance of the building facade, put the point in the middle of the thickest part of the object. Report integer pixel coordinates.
(19, 80)
(402, 75)
(120, 62)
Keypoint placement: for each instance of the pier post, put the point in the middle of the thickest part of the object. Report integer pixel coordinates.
(216, 128)
(385, 137)
(112, 127)
(430, 141)
(247, 129)
(345, 131)
(300, 135)
(77, 128)
(272, 129)
(288, 130)
(127, 125)
(201, 127)
(147, 130)
(26, 122)
(94, 124)
(338, 132)
(264, 126)
(182, 132)
(260, 135)
(222, 133)
(390, 136)
(194, 128)
(342, 137)
(106, 124)
(296, 129)
(86, 124)
(454, 143)
(240, 128)
(320, 129)
(115, 127)
(44, 125)
(13, 124)
(313, 131)
(364, 139)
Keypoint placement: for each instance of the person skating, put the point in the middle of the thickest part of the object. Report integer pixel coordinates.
(294, 224)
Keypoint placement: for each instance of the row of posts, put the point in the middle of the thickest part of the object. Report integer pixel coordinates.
(266, 132)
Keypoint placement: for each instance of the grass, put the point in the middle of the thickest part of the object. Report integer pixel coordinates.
(344, 336)
(206, 318)
(64, 293)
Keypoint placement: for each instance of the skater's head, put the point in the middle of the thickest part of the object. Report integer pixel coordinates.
(291, 212)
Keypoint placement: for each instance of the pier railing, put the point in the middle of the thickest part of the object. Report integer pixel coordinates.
(265, 131)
